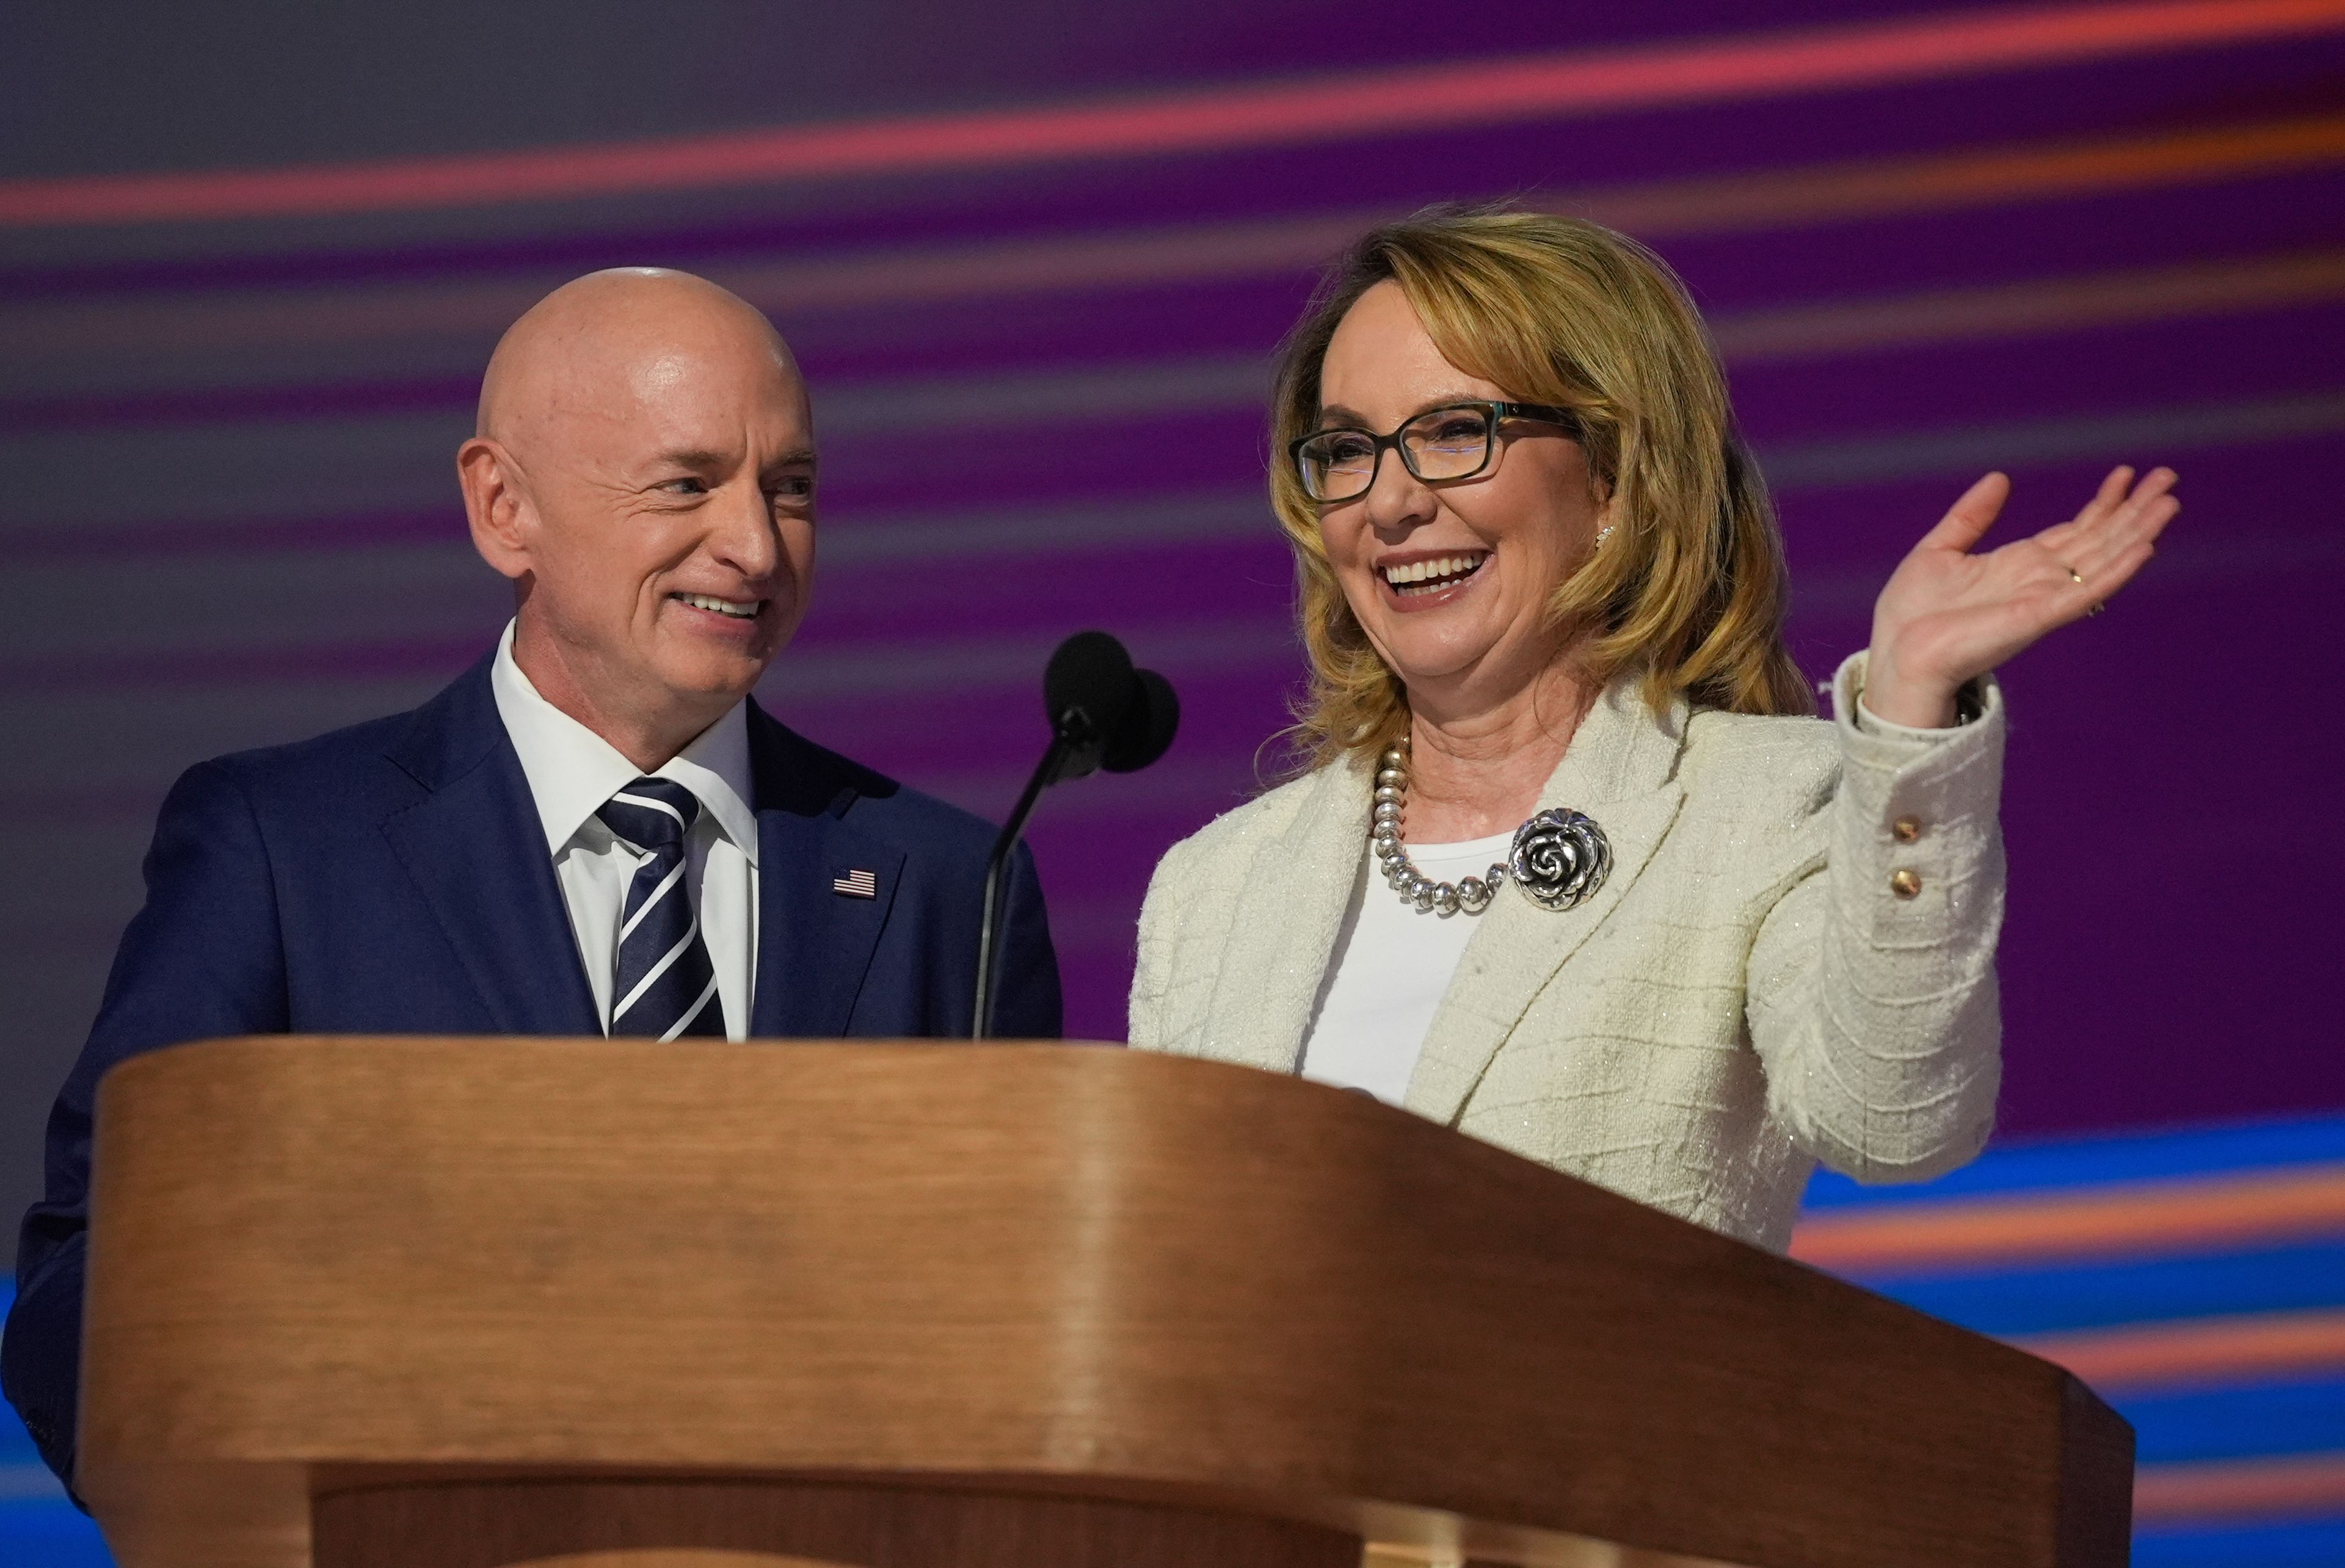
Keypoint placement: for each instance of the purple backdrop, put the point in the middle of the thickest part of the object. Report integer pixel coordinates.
(1038, 381)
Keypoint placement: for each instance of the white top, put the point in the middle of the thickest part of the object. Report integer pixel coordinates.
(1391, 967)
(572, 771)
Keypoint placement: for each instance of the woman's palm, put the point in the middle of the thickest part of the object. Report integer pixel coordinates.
(1949, 616)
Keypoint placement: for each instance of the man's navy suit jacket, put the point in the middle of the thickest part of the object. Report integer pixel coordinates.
(392, 878)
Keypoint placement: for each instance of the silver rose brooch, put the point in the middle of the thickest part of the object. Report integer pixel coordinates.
(1560, 857)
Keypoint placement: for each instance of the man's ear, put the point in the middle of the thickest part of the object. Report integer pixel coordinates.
(495, 505)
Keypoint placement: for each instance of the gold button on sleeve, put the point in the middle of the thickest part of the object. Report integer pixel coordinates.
(1905, 883)
(1906, 829)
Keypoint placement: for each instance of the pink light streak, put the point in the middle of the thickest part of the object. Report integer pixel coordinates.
(1446, 97)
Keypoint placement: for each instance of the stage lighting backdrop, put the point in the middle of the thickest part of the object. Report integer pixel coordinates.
(1035, 258)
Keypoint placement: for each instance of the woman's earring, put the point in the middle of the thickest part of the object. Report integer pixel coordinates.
(1603, 534)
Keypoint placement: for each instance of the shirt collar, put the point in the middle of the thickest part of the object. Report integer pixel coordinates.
(571, 771)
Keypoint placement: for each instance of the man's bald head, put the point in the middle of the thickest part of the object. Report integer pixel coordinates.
(643, 470)
(611, 328)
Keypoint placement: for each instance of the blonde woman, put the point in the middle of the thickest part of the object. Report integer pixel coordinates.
(1572, 869)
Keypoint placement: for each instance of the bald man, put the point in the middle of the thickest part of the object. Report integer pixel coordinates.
(595, 830)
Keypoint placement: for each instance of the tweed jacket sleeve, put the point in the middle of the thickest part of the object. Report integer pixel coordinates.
(1871, 997)
(1152, 974)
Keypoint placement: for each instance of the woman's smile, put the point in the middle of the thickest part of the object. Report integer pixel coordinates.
(1418, 580)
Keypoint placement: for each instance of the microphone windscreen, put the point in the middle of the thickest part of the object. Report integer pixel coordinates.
(1091, 673)
(1148, 726)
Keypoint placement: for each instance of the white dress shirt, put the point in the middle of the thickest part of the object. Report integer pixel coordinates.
(572, 771)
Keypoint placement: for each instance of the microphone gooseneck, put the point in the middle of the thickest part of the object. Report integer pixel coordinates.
(1103, 713)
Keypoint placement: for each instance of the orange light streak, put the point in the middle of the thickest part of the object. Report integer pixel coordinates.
(196, 320)
(1791, 199)
(2199, 1214)
(1437, 97)
(2198, 1351)
(2232, 1491)
(2052, 305)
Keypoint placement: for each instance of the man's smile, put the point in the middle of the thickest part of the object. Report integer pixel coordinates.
(737, 608)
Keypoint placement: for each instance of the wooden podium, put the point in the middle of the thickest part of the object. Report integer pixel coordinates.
(468, 1303)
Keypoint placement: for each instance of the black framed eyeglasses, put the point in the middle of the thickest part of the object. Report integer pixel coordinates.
(1454, 442)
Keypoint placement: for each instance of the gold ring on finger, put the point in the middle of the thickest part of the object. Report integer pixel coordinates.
(2074, 575)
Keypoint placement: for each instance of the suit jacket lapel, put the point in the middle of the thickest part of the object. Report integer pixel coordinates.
(477, 853)
(1620, 769)
(814, 944)
(1285, 922)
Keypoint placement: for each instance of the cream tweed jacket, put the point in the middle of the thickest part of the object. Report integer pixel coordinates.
(1748, 994)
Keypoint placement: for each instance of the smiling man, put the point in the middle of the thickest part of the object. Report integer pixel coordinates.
(595, 830)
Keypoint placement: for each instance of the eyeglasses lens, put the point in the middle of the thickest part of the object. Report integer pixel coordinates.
(1447, 443)
(1338, 464)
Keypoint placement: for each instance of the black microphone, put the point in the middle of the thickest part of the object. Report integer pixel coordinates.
(1103, 713)
(1146, 729)
(1087, 688)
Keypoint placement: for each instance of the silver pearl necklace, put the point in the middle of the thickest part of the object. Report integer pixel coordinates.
(1559, 857)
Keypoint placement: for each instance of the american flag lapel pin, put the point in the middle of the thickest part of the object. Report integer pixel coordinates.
(855, 883)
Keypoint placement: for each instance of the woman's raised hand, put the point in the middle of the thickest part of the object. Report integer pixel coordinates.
(1949, 616)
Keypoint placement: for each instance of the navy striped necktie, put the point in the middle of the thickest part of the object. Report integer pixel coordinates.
(663, 984)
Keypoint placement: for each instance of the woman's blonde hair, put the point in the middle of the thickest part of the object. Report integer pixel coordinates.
(1689, 587)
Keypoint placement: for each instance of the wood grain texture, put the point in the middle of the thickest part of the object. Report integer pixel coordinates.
(1024, 1268)
(497, 1524)
(681, 1559)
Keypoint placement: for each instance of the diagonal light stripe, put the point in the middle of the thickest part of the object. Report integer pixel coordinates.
(1139, 388)
(1773, 200)
(1445, 96)
(808, 675)
(2208, 1214)
(2031, 307)
(1792, 198)
(2239, 1492)
(287, 615)
(1873, 459)
(2198, 1352)
(198, 321)
(307, 641)
(996, 401)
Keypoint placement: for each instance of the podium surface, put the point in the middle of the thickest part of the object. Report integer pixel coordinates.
(483, 1302)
